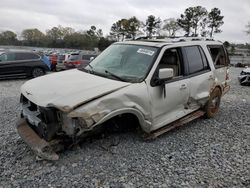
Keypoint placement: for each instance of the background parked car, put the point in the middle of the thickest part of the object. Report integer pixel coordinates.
(21, 64)
(78, 59)
(244, 77)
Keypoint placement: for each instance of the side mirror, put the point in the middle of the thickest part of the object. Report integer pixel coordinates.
(91, 59)
(166, 73)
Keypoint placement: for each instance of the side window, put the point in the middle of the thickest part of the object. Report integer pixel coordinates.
(31, 56)
(11, 57)
(86, 57)
(204, 59)
(20, 56)
(170, 59)
(3, 57)
(196, 59)
(26, 56)
(218, 55)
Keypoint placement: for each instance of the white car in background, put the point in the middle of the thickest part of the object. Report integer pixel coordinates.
(244, 77)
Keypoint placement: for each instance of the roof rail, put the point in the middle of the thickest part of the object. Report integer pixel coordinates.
(176, 39)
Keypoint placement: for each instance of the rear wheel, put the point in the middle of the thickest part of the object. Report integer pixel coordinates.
(37, 71)
(213, 104)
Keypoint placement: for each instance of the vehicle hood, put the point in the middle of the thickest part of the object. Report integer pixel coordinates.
(69, 89)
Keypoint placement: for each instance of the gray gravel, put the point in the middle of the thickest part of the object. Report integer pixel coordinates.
(205, 153)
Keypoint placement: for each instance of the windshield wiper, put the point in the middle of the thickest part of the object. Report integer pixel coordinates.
(91, 70)
(115, 76)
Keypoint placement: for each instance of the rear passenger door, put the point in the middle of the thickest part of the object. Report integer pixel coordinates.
(25, 61)
(200, 76)
(7, 63)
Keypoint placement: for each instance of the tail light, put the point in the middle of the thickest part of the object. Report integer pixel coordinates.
(76, 63)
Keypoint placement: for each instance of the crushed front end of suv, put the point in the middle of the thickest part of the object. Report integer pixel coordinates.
(155, 82)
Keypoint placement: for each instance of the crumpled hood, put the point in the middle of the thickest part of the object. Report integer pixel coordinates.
(69, 89)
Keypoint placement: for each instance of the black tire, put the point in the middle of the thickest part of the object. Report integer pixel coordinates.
(213, 104)
(37, 71)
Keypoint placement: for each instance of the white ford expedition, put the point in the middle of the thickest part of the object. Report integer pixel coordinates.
(160, 83)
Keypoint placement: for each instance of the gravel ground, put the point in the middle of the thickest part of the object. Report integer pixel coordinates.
(205, 153)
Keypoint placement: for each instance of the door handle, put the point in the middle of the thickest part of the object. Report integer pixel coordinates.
(183, 86)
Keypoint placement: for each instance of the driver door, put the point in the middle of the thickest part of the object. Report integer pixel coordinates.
(168, 100)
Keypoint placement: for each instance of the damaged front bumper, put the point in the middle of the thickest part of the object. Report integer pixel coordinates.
(41, 147)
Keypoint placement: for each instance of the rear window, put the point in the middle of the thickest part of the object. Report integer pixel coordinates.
(74, 57)
(218, 55)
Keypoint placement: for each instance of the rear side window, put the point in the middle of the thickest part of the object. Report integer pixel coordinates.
(218, 55)
(197, 61)
(26, 56)
(8, 57)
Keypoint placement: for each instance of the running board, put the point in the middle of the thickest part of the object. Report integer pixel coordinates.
(178, 123)
(40, 146)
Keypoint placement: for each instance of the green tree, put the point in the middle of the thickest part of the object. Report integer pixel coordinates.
(8, 38)
(185, 20)
(33, 37)
(104, 43)
(193, 18)
(119, 29)
(226, 44)
(94, 32)
(215, 21)
(152, 25)
(133, 27)
(171, 26)
(55, 36)
(199, 18)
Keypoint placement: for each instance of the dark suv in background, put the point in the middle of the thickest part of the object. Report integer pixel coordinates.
(22, 64)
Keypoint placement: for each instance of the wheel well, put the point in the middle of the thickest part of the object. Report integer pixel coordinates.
(123, 123)
(32, 68)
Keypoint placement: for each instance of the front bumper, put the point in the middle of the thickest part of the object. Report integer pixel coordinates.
(40, 146)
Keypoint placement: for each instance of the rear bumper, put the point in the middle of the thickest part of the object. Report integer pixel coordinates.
(41, 147)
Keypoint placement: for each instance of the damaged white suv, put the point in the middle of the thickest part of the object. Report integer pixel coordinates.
(160, 83)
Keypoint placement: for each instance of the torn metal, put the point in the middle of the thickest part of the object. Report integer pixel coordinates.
(244, 77)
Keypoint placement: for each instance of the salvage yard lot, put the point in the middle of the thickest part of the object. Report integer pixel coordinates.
(213, 152)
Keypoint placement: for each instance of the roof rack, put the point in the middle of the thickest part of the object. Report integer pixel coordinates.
(177, 39)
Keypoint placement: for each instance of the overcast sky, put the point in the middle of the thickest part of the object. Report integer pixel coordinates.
(17, 15)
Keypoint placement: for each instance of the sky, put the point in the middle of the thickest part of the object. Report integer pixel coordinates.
(17, 15)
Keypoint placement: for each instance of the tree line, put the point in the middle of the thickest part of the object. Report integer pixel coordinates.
(195, 21)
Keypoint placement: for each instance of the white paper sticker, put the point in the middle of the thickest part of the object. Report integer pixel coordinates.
(145, 51)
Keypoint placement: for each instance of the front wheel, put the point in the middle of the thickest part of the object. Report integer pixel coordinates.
(37, 71)
(213, 104)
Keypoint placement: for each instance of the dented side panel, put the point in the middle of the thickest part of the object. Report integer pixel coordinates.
(132, 99)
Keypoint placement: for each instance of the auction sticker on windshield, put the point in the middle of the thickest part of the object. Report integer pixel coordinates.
(145, 51)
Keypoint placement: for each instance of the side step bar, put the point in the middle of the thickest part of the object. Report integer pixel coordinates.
(41, 147)
(175, 124)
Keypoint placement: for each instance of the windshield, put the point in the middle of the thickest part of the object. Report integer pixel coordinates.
(127, 62)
